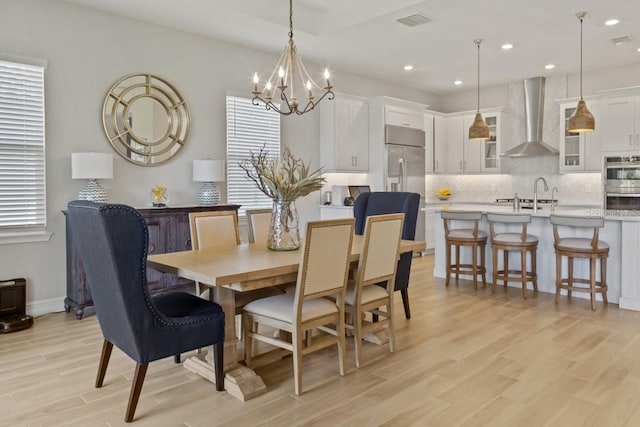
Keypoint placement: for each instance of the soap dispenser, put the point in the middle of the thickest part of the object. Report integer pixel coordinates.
(516, 203)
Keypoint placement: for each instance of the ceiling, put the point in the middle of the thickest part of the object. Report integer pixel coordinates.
(362, 36)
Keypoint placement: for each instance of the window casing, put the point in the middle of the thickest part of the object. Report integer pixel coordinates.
(249, 128)
(22, 148)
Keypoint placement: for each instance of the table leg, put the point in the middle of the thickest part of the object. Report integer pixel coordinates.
(240, 381)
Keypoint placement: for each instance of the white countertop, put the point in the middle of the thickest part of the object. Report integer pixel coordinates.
(544, 212)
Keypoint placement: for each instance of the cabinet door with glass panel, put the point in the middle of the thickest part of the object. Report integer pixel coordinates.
(579, 151)
(490, 147)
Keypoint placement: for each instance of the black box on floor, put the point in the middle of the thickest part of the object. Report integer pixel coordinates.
(13, 305)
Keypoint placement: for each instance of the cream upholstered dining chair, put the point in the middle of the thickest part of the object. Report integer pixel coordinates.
(323, 271)
(219, 229)
(378, 263)
(258, 223)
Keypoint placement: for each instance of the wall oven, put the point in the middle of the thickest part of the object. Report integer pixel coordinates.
(622, 182)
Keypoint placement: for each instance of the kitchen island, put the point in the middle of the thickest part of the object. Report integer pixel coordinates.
(621, 231)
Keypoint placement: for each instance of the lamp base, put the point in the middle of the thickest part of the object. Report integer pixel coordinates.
(208, 194)
(94, 192)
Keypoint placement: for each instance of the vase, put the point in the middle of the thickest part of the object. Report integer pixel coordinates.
(284, 234)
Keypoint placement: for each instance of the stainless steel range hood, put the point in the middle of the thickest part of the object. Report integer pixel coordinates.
(533, 115)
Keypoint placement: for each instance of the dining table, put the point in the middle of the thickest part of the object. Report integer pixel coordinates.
(227, 271)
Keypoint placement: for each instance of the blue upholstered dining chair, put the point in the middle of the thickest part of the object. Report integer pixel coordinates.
(383, 202)
(112, 241)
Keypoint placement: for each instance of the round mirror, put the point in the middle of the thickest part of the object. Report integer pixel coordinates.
(145, 119)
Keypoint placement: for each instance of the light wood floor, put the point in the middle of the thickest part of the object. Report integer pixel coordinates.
(466, 358)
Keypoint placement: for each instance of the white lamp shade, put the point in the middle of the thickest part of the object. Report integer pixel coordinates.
(91, 166)
(208, 170)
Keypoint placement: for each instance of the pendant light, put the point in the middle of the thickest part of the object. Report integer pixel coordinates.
(479, 131)
(582, 120)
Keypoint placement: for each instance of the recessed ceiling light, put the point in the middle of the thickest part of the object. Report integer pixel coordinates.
(408, 67)
(549, 66)
(612, 22)
(639, 49)
(457, 82)
(506, 46)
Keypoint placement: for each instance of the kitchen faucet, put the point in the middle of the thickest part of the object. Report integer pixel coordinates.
(535, 191)
(554, 190)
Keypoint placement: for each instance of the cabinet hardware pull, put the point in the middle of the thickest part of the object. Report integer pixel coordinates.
(187, 243)
(437, 167)
(356, 157)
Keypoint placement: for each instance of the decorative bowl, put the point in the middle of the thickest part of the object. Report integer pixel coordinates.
(443, 197)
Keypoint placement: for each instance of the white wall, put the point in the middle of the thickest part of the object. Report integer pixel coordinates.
(87, 51)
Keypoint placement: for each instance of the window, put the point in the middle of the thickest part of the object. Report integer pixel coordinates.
(22, 156)
(249, 128)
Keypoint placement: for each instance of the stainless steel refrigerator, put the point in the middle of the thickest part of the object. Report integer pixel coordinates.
(405, 165)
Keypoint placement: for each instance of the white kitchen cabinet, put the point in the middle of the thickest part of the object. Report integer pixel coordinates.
(621, 123)
(579, 152)
(455, 143)
(440, 139)
(429, 149)
(466, 156)
(400, 116)
(344, 134)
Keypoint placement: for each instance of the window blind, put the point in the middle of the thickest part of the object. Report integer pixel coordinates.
(249, 128)
(22, 156)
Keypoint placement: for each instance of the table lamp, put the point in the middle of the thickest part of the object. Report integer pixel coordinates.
(208, 172)
(92, 166)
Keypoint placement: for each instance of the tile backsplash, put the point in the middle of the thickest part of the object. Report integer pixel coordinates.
(573, 188)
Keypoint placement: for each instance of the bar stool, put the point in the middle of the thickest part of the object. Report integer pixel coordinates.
(458, 237)
(574, 247)
(507, 241)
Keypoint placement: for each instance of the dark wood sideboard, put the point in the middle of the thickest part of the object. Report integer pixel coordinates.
(168, 232)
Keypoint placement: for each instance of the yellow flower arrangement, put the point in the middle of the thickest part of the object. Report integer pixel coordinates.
(159, 193)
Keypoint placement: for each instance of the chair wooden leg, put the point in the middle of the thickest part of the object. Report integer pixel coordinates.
(218, 360)
(104, 361)
(483, 265)
(523, 267)
(558, 275)
(136, 387)
(297, 361)
(534, 268)
(448, 256)
(357, 334)
(405, 302)
(603, 278)
(342, 343)
(391, 325)
(505, 258)
(494, 252)
(592, 282)
(570, 268)
(176, 358)
(457, 263)
(474, 266)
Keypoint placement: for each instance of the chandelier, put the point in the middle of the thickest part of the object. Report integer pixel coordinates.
(290, 76)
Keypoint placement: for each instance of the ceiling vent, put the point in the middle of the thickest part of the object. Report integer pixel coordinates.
(414, 20)
(620, 40)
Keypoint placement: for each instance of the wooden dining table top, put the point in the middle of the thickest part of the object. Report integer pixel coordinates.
(247, 266)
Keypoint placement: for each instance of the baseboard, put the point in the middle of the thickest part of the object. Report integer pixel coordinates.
(51, 305)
